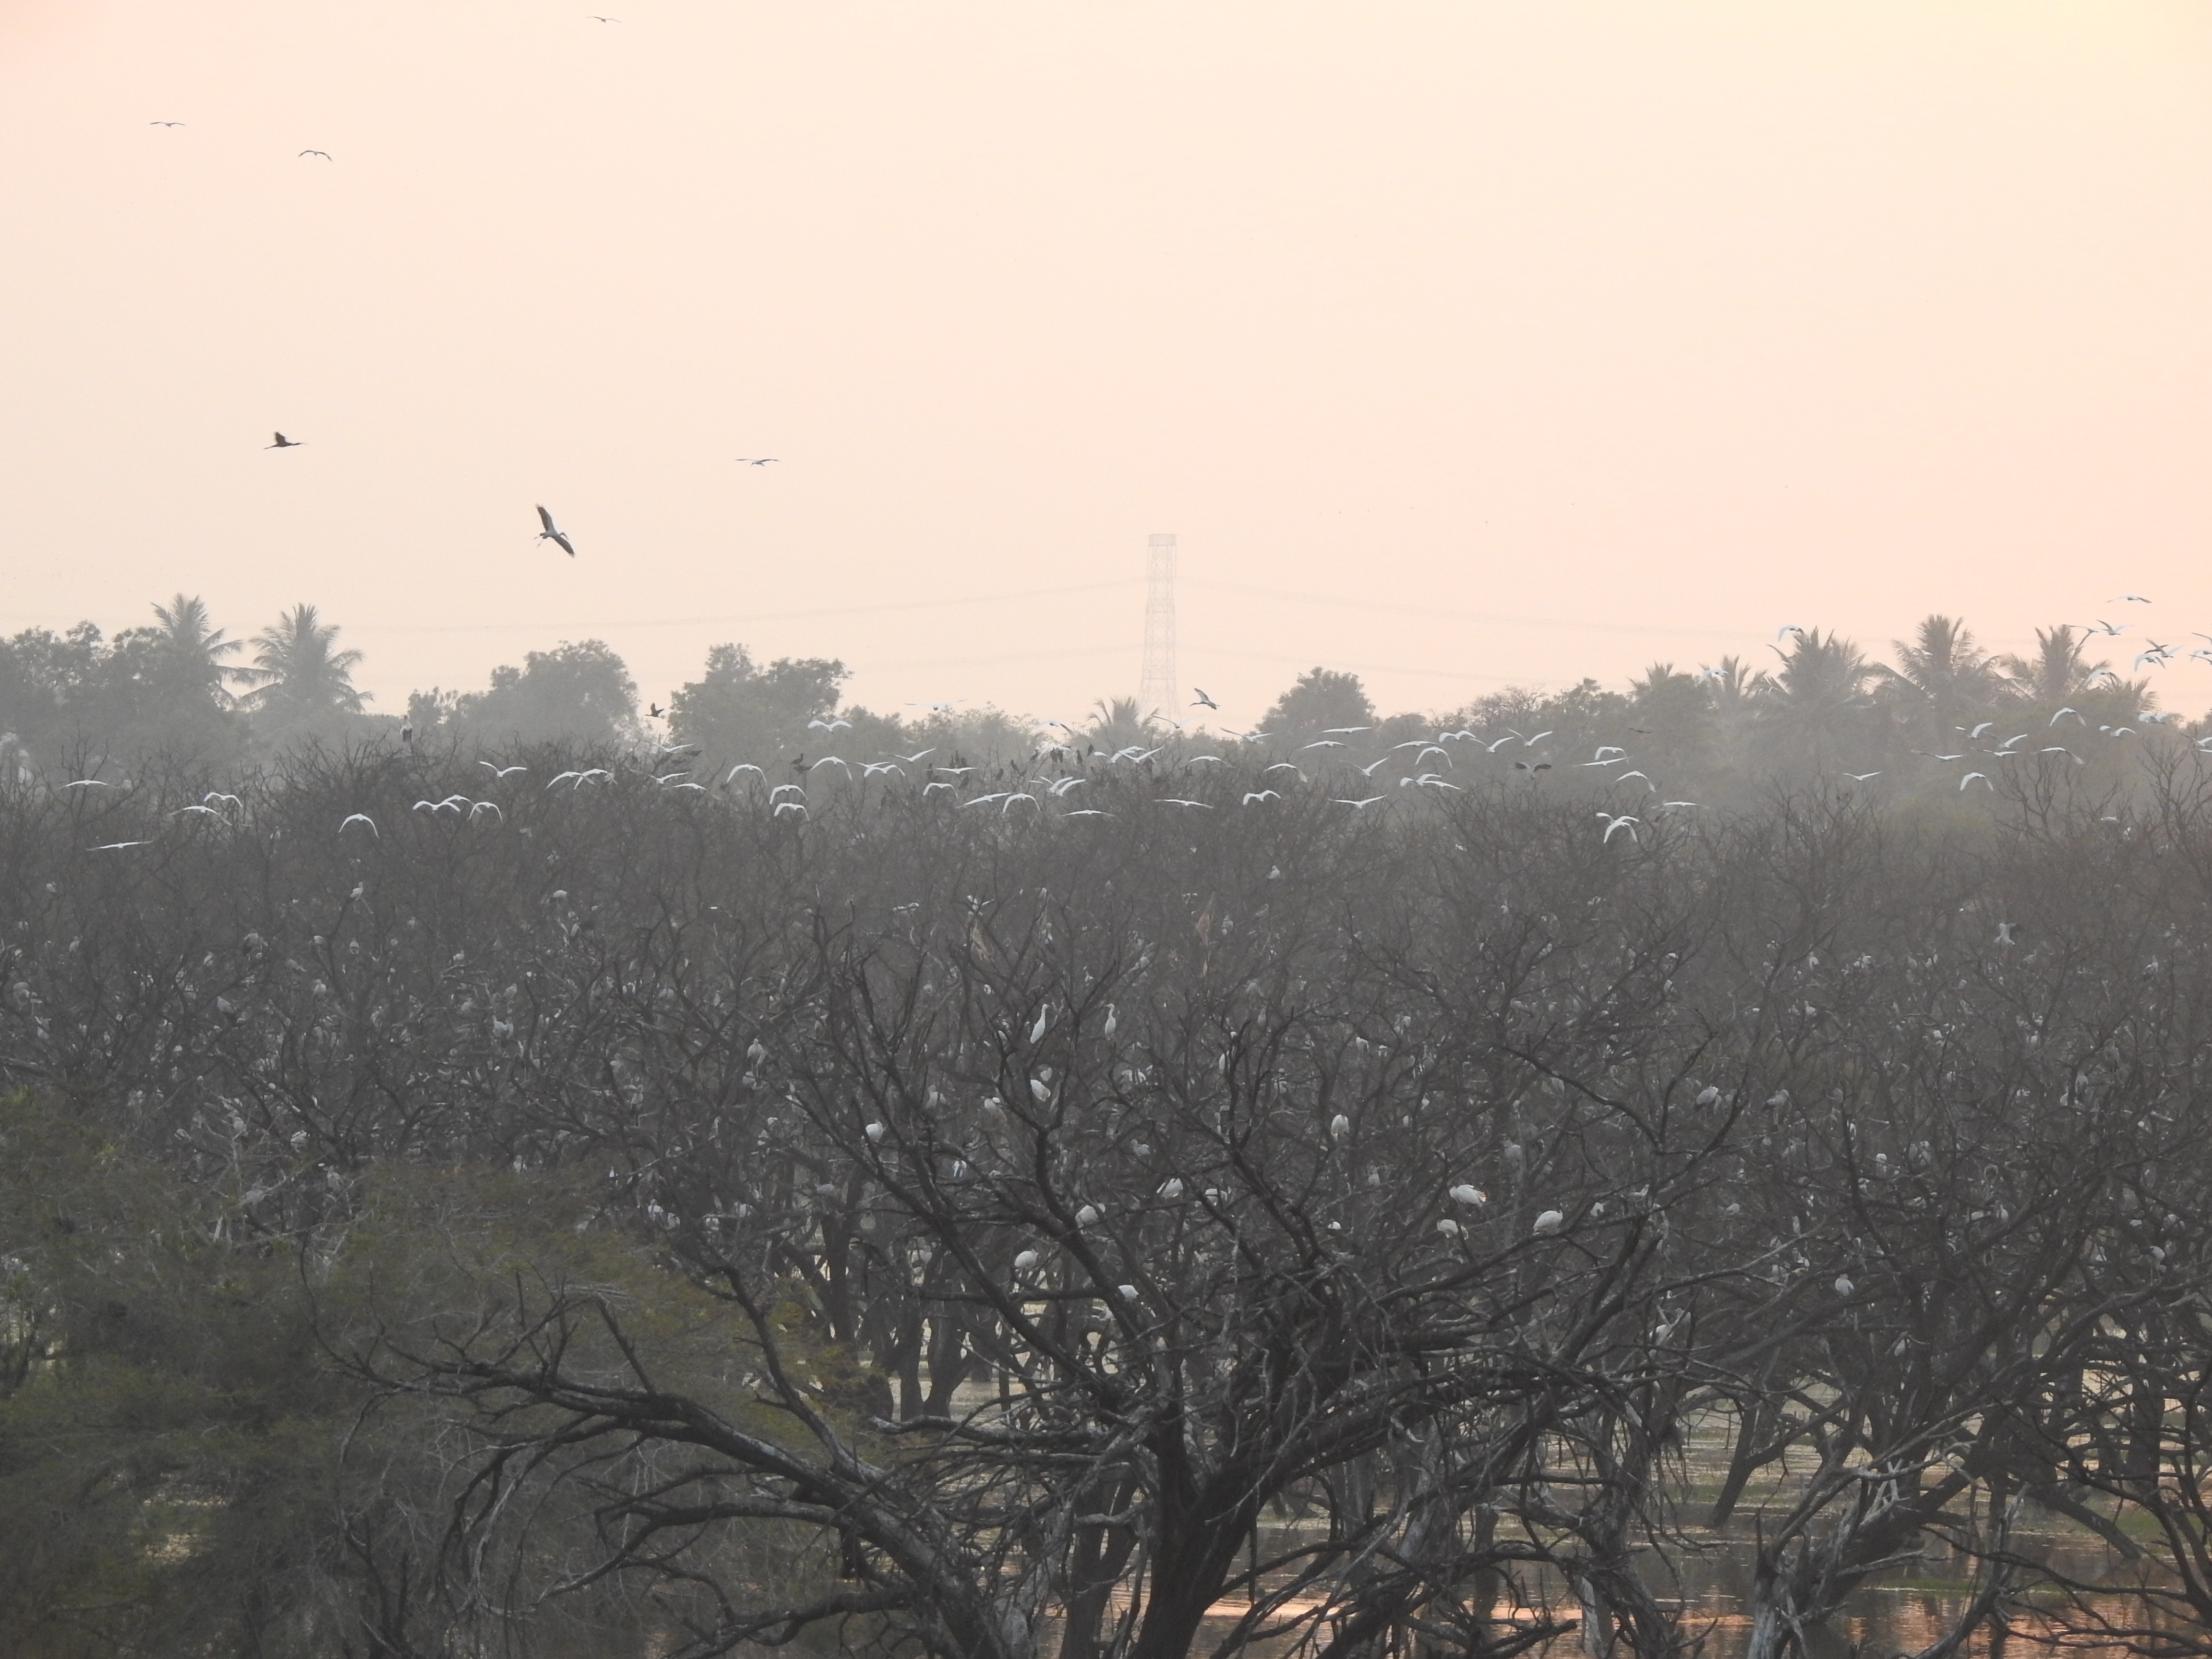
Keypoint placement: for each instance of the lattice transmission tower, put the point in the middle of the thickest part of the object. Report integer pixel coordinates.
(1157, 690)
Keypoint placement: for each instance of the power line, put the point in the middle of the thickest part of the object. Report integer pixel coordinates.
(735, 622)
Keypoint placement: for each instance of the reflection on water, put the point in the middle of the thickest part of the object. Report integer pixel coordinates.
(1908, 1611)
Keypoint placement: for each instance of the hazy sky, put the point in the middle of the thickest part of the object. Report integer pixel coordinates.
(1461, 344)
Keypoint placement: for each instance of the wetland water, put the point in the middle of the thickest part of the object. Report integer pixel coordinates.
(1907, 1612)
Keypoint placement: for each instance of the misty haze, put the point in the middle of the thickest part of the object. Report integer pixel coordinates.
(1057, 832)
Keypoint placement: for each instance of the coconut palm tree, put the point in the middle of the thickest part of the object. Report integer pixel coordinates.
(1944, 668)
(1813, 707)
(299, 670)
(193, 647)
(1117, 725)
(2057, 670)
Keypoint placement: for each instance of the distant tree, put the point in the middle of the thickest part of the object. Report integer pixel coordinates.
(193, 649)
(740, 711)
(1117, 723)
(1815, 712)
(1319, 699)
(80, 699)
(578, 690)
(1675, 712)
(300, 675)
(1942, 675)
(2058, 669)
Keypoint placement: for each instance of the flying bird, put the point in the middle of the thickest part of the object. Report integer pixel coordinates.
(352, 819)
(283, 442)
(324, 154)
(165, 123)
(1202, 700)
(552, 532)
(758, 460)
(1340, 800)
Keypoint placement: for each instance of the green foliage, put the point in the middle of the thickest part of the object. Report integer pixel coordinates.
(579, 691)
(1319, 699)
(201, 1449)
(737, 711)
(303, 681)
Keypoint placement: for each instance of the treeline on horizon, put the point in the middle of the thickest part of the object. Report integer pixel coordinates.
(181, 689)
(543, 1203)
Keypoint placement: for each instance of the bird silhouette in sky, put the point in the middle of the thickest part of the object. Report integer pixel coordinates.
(553, 533)
(283, 442)
(324, 154)
(755, 460)
(165, 123)
(1202, 700)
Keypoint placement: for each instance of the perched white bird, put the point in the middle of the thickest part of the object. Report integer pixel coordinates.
(2004, 932)
(1710, 1095)
(1843, 1286)
(1113, 1021)
(876, 1131)
(1465, 1194)
(1128, 1292)
(1338, 1127)
(1085, 1216)
(1550, 1222)
(1171, 1188)
(1026, 1260)
(1448, 1227)
(1043, 1019)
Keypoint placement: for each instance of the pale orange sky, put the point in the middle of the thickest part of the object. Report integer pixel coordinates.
(1461, 344)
